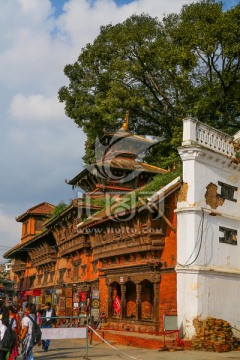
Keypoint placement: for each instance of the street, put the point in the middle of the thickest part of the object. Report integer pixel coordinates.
(76, 349)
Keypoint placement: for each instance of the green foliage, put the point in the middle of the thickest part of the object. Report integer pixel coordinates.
(135, 198)
(161, 72)
(58, 210)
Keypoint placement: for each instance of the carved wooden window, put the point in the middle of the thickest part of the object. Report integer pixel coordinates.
(45, 278)
(94, 266)
(25, 227)
(84, 268)
(39, 224)
(76, 269)
(39, 279)
(51, 276)
(31, 278)
(227, 191)
(61, 274)
(229, 236)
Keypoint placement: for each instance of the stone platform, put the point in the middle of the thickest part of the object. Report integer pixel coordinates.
(142, 340)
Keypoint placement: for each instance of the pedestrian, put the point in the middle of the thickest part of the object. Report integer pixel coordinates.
(49, 319)
(4, 322)
(26, 335)
(12, 315)
(21, 312)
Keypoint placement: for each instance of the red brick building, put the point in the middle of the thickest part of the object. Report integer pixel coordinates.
(113, 250)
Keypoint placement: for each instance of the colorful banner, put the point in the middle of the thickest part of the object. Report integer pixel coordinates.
(117, 306)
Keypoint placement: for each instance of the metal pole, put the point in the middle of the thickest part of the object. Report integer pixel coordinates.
(86, 356)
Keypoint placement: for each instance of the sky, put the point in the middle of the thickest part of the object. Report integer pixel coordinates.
(39, 146)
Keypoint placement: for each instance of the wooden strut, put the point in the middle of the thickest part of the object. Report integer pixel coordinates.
(167, 221)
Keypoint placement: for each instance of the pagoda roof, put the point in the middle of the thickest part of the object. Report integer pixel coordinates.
(43, 208)
(122, 163)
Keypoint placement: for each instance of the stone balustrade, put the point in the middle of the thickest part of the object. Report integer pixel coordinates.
(195, 132)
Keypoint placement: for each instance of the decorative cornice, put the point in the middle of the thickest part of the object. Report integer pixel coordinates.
(209, 211)
(207, 270)
(208, 156)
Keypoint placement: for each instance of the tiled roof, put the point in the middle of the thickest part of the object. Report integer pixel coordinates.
(21, 245)
(41, 209)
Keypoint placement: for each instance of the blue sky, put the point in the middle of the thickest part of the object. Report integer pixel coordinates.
(58, 4)
(39, 146)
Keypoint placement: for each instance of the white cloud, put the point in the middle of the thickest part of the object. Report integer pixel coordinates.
(33, 108)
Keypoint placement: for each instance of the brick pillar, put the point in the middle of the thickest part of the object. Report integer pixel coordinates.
(156, 301)
(123, 301)
(110, 302)
(138, 301)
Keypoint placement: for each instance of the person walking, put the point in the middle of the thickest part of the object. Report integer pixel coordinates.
(12, 315)
(21, 313)
(26, 335)
(4, 322)
(49, 319)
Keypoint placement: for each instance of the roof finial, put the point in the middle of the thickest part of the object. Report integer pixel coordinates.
(125, 122)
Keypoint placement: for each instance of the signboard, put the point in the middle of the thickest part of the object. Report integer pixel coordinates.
(95, 314)
(170, 322)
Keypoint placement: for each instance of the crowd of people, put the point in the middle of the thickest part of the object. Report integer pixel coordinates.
(21, 322)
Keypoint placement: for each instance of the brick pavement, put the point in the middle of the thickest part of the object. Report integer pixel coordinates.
(75, 349)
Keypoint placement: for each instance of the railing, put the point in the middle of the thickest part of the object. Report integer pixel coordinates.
(196, 132)
(67, 327)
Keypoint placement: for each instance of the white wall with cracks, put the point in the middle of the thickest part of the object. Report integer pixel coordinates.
(208, 228)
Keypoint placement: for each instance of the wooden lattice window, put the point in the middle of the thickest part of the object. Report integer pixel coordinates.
(31, 279)
(61, 274)
(39, 224)
(45, 278)
(39, 278)
(51, 276)
(84, 268)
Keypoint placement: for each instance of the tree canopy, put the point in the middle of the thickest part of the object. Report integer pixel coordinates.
(161, 71)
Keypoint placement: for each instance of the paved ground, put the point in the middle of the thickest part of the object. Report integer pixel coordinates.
(75, 349)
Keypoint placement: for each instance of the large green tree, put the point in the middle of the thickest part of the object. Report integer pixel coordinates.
(161, 71)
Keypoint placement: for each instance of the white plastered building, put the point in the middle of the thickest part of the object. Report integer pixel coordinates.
(208, 227)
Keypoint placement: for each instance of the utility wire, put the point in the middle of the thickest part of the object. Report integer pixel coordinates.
(200, 245)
